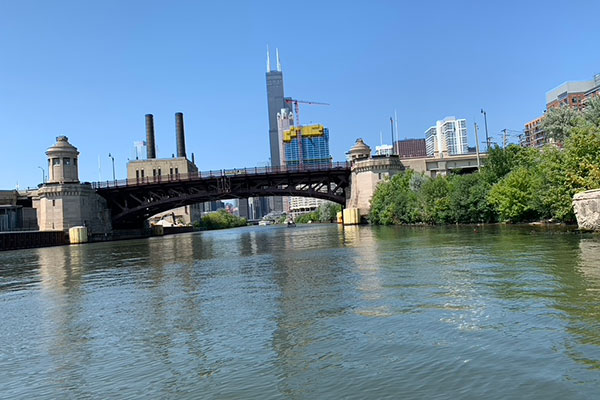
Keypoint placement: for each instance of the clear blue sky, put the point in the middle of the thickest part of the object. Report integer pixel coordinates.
(91, 70)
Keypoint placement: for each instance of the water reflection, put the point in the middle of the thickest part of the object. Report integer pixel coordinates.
(310, 282)
(366, 260)
(65, 322)
(309, 312)
(580, 300)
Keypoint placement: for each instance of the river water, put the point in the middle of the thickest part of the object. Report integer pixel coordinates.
(313, 312)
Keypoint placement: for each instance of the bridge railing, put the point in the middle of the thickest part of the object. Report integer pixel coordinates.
(149, 180)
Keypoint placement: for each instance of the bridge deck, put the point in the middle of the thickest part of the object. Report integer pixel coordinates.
(133, 200)
(229, 173)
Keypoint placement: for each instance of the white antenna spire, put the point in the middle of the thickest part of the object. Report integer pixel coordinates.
(278, 62)
(268, 60)
(396, 123)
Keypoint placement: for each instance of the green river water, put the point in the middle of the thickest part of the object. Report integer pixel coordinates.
(312, 312)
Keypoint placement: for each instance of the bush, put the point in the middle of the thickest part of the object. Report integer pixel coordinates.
(468, 199)
(220, 220)
(312, 217)
(517, 196)
(394, 202)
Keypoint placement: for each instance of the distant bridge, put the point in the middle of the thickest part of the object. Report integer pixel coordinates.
(132, 201)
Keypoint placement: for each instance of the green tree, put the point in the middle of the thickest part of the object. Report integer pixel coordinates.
(309, 217)
(517, 197)
(559, 122)
(394, 202)
(434, 198)
(221, 219)
(591, 114)
(501, 161)
(328, 211)
(468, 199)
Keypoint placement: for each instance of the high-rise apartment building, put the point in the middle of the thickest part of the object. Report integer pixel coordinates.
(447, 136)
(573, 94)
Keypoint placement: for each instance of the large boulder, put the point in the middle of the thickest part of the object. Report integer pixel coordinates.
(587, 210)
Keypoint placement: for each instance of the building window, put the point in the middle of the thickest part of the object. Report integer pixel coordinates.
(176, 171)
(53, 203)
(159, 172)
(56, 161)
(66, 161)
(137, 174)
(171, 171)
(142, 174)
(75, 162)
(153, 172)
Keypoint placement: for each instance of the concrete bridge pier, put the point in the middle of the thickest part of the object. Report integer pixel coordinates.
(63, 202)
(367, 172)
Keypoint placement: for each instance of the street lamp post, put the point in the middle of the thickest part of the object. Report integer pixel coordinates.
(113, 165)
(487, 138)
(43, 174)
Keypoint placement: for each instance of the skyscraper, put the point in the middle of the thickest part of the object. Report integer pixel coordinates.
(447, 136)
(275, 104)
(315, 146)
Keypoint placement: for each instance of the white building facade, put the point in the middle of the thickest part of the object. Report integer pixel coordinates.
(448, 136)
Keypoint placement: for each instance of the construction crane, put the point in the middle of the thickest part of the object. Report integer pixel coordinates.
(296, 103)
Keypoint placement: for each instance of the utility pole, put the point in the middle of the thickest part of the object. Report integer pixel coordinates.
(504, 139)
(487, 138)
(477, 146)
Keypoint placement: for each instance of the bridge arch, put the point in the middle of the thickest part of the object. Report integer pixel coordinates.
(131, 203)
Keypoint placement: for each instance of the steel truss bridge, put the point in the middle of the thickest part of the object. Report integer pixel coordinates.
(132, 201)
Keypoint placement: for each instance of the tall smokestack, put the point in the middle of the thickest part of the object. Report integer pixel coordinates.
(179, 134)
(150, 146)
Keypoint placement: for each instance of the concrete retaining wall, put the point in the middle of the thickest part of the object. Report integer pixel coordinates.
(25, 240)
(587, 210)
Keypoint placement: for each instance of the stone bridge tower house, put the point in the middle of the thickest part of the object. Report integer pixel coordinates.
(367, 172)
(63, 202)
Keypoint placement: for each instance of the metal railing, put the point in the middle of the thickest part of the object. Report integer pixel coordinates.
(183, 177)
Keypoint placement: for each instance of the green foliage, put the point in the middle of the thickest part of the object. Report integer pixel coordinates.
(328, 212)
(517, 196)
(572, 170)
(435, 202)
(312, 217)
(468, 199)
(592, 111)
(220, 220)
(517, 184)
(394, 202)
(559, 122)
(501, 161)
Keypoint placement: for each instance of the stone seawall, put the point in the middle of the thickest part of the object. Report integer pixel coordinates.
(587, 210)
(26, 240)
